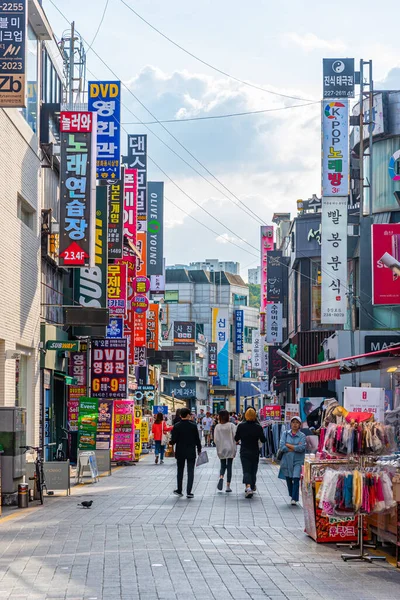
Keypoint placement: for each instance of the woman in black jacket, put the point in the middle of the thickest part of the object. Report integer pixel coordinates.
(249, 433)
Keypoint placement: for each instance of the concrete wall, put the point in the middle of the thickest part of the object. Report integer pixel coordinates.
(19, 261)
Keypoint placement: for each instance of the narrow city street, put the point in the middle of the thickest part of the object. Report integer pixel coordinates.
(138, 541)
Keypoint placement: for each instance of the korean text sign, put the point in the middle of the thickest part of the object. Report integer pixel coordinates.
(274, 276)
(256, 350)
(77, 188)
(239, 331)
(274, 323)
(220, 335)
(267, 245)
(115, 219)
(117, 290)
(212, 359)
(109, 368)
(105, 101)
(77, 370)
(123, 430)
(334, 261)
(271, 412)
(153, 327)
(184, 333)
(104, 425)
(338, 77)
(155, 229)
(363, 399)
(137, 159)
(130, 203)
(13, 18)
(386, 263)
(335, 148)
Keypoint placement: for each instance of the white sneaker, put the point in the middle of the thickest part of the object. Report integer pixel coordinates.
(293, 502)
(248, 493)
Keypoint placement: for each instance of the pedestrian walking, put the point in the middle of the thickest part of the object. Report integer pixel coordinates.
(206, 425)
(224, 440)
(293, 446)
(159, 431)
(249, 433)
(185, 437)
(177, 417)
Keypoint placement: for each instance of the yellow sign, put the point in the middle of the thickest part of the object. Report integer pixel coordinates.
(144, 432)
(138, 432)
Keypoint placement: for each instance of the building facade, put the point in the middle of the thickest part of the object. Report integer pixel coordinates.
(254, 276)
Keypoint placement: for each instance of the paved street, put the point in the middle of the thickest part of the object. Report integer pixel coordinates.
(140, 542)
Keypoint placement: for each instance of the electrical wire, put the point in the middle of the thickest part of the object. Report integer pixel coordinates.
(209, 228)
(211, 117)
(99, 27)
(260, 220)
(208, 64)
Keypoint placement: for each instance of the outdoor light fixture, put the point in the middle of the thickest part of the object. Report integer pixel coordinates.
(289, 359)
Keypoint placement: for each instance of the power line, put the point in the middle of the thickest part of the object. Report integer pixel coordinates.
(210, 117)
(260, 219)
(99, 27)
(209, 228)
(208, 64)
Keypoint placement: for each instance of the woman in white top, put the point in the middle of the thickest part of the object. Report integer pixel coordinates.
(224, 439)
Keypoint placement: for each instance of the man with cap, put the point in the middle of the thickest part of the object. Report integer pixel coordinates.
(293, 446)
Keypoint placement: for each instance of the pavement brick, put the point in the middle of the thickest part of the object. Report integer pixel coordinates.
(139, 542)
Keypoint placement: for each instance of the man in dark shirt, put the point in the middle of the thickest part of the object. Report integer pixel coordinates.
(185, 437)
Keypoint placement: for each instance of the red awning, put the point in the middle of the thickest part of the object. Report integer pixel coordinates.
(330, 369)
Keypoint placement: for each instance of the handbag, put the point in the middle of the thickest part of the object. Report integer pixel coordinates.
(202, 459)
(164, 437)
(280, 453)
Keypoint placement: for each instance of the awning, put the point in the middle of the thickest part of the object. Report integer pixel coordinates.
(331, 369)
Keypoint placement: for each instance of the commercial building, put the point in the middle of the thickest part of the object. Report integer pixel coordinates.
(254, 276)
(27, 186)
(191, 297)
(210, 264)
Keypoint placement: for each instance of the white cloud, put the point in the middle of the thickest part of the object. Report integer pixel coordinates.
(309, 42)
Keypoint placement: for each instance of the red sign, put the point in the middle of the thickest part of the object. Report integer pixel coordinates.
(386, 263)
(123, 447)
(74, 255)
(141, 265)
(153, 327)
(271, 413)
(140, 327)
(117, 290)
(76, 122)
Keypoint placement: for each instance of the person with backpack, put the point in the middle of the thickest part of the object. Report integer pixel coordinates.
(293, 448)
(160, 431)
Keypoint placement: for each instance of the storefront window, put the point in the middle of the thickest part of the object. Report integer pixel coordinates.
(30, 113)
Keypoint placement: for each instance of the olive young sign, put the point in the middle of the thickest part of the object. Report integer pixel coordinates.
(155, 229)
(13, 54)
(77, 188)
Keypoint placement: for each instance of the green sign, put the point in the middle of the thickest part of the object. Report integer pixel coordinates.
(88, 416)
(65, 346)
(171, 296)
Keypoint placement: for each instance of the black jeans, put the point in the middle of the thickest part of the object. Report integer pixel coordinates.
(190, 473)
(250, 468)
(226, 463)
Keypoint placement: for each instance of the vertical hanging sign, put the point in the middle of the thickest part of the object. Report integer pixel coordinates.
(335, 148)
(267, 245)
(13, 18)
(239, 331)
(137, 159)
(274, 323)
(105, 101)
(220, 336)
(155, 233)
(77, 187)
(115, 219)
(334, 261)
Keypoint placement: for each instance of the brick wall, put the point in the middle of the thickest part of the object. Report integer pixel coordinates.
(19, 260)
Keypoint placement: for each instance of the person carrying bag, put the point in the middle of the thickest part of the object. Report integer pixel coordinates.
(292, 449)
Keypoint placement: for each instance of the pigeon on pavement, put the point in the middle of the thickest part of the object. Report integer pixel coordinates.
(86, 504)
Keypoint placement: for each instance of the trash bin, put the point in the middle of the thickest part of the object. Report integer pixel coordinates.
(23, 497)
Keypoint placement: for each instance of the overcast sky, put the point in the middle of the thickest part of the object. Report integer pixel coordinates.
(267, 160)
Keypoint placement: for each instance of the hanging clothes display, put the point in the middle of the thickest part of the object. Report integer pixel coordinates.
(357, 438)
(272, 432)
